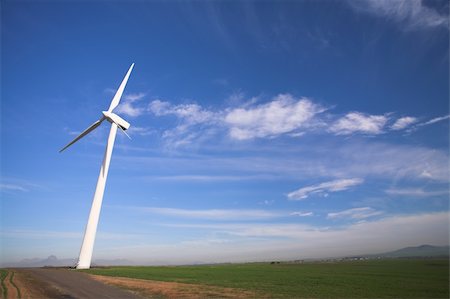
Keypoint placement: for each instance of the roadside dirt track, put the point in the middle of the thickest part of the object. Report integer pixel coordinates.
(175, 290)
(61, 283)
(42, 283)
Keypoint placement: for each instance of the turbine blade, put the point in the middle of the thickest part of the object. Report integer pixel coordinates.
(120, 127)
(84, 133)
(125, 132)
(115, 101)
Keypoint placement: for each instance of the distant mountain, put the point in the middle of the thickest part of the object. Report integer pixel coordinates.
(53, 261)
(419, 251)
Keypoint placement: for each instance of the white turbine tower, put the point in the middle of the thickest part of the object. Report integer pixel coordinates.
(84, 261)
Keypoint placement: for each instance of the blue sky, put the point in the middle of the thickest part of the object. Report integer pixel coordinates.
(260, 130)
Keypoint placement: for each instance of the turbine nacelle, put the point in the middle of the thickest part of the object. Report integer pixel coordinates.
(114, 118)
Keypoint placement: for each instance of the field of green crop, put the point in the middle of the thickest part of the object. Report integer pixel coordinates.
(421, 278)
(3, 275)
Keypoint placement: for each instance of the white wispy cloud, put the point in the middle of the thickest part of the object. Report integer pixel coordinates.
(413, 14)
(415, 192)
(140, 131)
(357, 122)
(236, 98)
(343, 159)
(213, 214)
(132, 97)
(283, 114)
(324, 188)
(377, 228)
(266, 241)
(12, 187)
(9, 184)
(159, 107)
(128, 109)
(302, 214)
(434, 120)
(191, 113)
(127, 105)
(387, 160)
(195, 122)
(356, 213)
(403, 123)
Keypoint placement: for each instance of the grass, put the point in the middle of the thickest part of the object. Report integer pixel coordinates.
(3, 274)
(421, 278)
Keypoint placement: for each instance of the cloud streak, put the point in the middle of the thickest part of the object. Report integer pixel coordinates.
(282, 115)
(191, 113)
(356, 213)
(412, 14)
(258, 242)
(12, 187)
(195, 122)
(213, 214)
(364, 159)
(324, 188)
(415, 192)
(356, 122)
(434, 120)
(302, 214)
(133, 130)
(403, 123)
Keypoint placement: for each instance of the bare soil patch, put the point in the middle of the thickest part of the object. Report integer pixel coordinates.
(59, 283)
(29, 287)
(10, 286)
(164, 289)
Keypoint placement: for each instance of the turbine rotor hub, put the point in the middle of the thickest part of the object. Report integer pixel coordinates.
(114, 118)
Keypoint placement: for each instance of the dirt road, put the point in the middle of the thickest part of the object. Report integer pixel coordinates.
(60, 283)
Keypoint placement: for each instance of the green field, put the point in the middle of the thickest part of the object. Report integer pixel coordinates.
(421, 278)
(3, 274)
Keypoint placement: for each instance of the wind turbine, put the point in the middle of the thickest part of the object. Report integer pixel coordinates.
(84, 261)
